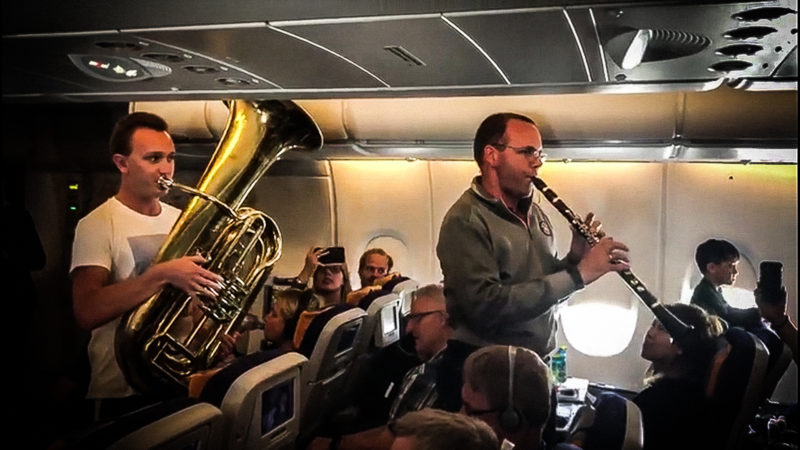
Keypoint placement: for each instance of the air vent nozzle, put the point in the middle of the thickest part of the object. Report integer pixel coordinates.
(633, 47)
(164, 57)
(404, 54)
(233, 81)
(201, 69)
(119, 45)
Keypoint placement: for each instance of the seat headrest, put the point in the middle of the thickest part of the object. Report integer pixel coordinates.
(394, 281)
(217, 386)
(314, 328)
(104, 434)
(371, 297)
(610, 419)
(772, 342)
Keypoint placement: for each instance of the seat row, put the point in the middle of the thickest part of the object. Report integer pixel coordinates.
(274, 400)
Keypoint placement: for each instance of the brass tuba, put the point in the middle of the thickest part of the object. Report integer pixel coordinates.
(170, 335)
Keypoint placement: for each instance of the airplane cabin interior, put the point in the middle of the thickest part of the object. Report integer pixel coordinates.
(672, 121)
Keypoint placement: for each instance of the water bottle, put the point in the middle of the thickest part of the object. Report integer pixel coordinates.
(558, 365)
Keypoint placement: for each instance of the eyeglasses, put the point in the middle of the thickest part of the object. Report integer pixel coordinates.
(419, 316)
(529, 151)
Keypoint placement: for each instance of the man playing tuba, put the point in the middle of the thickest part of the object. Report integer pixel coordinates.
(112, 251)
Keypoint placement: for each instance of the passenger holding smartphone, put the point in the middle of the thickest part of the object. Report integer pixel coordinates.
(325, 267)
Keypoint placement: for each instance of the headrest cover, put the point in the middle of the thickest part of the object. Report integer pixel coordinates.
(314, 328)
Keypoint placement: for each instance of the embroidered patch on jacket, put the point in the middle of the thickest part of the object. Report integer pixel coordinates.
(545, 227)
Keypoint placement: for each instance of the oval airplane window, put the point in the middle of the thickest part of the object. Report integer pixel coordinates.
(739, 295)
(597, 324)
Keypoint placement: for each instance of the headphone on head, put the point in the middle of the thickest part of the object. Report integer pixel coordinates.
(510, 418)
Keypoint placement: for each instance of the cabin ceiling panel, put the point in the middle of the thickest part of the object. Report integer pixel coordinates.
(421, 52)
(529, 46)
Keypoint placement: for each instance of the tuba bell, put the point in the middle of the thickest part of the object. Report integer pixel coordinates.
(173, 334)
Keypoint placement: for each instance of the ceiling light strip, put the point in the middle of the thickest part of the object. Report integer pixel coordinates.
(312, 93)
(503, 11)
(325, 49)
(578, 43)
(343, 20)
(218, 26)
(478, 47)
(59, 34)
(221, 63)
(599, 45)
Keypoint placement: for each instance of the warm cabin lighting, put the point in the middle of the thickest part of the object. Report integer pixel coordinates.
(598, 328)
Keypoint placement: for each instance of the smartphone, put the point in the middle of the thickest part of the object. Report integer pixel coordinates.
(333, 255)
(770, 282)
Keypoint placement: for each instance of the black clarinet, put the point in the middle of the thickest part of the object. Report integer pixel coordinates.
(676, 327)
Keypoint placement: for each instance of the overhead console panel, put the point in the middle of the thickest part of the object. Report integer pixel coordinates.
(662, 43)
(147, 50)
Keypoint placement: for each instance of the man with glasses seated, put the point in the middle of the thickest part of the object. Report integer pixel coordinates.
(502, 274)
(436, 383)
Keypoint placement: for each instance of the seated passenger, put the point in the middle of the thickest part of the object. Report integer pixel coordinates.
(717, 260)
(279, 329)
(433, 429)
(435, 383)
(373, 264)
(673, 405)
(281, 320)
(379, 287)
(516, 408)
(328, 276)
(772, 307)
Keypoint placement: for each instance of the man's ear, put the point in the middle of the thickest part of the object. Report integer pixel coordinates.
(121, 161)
(490, 155)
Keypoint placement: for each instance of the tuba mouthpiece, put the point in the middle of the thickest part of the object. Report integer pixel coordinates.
(164, 183)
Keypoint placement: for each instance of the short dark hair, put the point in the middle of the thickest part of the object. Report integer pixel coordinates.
(491, 131)
(374, 251)
(714, 251)
(120, 142)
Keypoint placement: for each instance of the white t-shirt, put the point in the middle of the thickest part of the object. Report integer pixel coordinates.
(125, 242)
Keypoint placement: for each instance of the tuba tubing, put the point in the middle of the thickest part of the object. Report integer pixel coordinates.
(679, 330)
(172, 335)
